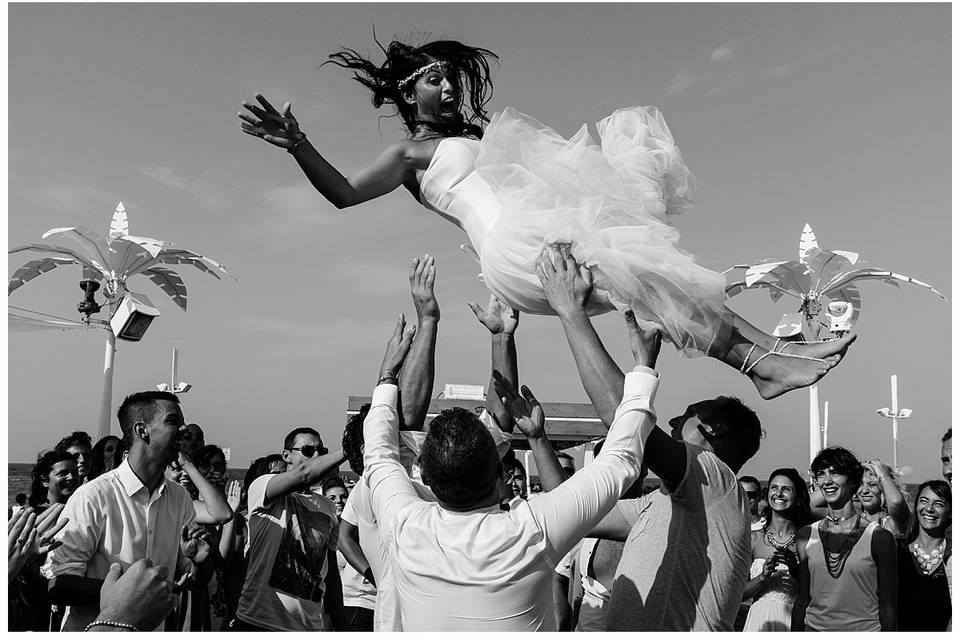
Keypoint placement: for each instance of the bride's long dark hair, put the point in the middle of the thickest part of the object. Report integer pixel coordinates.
(469, 66)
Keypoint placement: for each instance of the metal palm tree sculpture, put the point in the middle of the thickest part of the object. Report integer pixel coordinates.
(114, 259)
(818, 274)
(111, 261)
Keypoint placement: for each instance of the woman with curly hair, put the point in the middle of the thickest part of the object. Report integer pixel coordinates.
(54, 479)
(516, 187)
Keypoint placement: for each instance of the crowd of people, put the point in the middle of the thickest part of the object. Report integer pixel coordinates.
(442, 532)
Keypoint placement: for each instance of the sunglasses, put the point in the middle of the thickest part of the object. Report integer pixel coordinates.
(310, 450)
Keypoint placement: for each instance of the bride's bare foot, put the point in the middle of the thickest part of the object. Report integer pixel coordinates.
(801, 366)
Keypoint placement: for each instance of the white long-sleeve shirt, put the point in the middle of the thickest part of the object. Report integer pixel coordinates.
(487, 569)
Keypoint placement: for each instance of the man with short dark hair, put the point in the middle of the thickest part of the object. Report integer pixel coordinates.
(292, 578)
(129, 513)
(360, 540)
(751, 487)
(516, 478)
(80, 446)
(463, 563)
(687, 552)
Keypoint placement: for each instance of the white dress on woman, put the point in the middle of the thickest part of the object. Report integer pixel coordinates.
(524, 186)
(773, 609)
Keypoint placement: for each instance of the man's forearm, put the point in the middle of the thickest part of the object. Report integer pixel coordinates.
(601, 377)
(74, 590)
(503, 356)
(349, 546)
(416, 381)
(551, 473)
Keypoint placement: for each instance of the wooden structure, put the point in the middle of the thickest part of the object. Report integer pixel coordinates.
(568, 424)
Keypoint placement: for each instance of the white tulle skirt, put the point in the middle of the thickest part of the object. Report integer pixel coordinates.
(610, 201)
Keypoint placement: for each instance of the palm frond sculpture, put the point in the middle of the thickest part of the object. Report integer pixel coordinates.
(817, 275)
(112, 260)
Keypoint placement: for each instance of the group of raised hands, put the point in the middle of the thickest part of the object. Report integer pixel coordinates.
(568, 286)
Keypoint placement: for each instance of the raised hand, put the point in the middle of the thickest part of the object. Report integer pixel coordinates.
(29, 537)
(525, 410)
(423, 271)
(397, 348)
(566, 284)
(280, 129)
(233, 494)
(498, 317)
(141, 596)
(195, 543)
(645, 343)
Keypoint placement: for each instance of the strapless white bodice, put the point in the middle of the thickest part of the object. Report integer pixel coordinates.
(452, 188)
(524, 186)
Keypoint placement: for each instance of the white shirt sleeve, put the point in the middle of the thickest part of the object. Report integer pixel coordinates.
(80, 536)
(390, 486)
(568, 512)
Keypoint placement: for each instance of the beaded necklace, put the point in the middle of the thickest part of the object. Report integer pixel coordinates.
(928, 561)
(772, 541)
(836, 560)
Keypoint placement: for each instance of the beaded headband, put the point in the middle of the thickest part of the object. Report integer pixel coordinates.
(436, 64)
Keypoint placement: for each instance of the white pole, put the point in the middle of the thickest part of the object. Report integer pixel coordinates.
(173, 371)
(895, 409)
(826, 421)
(815, 436)
(106, 397)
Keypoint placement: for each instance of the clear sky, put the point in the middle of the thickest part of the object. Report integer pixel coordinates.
(833, 115)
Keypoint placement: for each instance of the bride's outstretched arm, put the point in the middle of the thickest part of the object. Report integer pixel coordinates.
(391, 169)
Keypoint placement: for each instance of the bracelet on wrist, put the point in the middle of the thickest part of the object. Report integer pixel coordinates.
(111, 623)
(296, 145)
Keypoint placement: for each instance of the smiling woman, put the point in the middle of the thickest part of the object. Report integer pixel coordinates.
(55, 478)
(924, 602)
(848, 572)
(516, 187)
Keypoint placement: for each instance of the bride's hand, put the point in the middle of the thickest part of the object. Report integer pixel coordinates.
(277, 128)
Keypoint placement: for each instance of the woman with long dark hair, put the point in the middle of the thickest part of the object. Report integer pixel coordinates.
(924, 602)
(54, 479)
(516, 187)
(773, 583)
(106, 456)
(848, 566)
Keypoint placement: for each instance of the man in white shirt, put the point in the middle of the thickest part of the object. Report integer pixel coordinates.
(128, 514)
(462, 563)
(360, 540)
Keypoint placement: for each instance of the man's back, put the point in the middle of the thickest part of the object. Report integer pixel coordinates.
(484, 570)
(687, 557)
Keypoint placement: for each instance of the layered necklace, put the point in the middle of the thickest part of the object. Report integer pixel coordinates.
(777, 543)
(835, 559)
(928, 560)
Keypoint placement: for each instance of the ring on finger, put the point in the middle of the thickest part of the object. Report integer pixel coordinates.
(21, 541)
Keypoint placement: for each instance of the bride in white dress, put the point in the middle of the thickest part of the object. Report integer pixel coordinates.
(515, 186)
